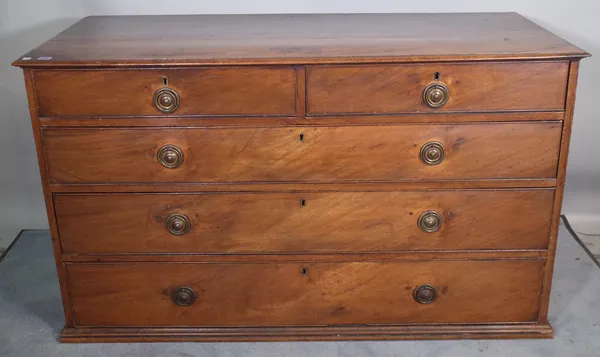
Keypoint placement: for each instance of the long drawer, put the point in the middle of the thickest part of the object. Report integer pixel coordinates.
(262, 294)
(294, 154)
(158, 92)
(312, 222)
(406, 88)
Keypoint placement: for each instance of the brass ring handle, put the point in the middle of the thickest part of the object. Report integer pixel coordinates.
(425, 294)
(183, 296)
(432, 153)
(178, 224)
(436, 95)
(430, 221)
(170, 156)
(166, 100)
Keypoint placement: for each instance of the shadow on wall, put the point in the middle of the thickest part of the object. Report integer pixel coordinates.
(20, 188)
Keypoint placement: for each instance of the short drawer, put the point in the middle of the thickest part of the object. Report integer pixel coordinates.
(471, 87)
(295, 154)
(159, 92)
(315, 222)
(263, 294)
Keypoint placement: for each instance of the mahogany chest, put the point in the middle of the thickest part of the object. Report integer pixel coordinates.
(303, 177)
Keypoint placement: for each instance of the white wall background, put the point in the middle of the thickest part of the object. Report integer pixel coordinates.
(25, 24)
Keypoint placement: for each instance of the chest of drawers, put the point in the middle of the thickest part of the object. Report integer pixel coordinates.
(303, 177)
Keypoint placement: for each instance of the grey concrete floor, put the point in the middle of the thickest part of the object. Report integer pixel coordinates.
(587, 228)
(31, 318)
(7, 236)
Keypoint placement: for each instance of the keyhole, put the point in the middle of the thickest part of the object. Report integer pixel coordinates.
(165, 80)
(303, 271)
(436, 76)
(301, 137)
(303, 202)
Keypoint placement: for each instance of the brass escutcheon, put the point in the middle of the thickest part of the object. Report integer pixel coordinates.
(430, 221)
(436, 95)
(183, 296)
(166, 100)
(424, 294)
(170, 156)
(177, 224)
(432, 153)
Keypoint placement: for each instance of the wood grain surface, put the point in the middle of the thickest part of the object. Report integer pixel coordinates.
(329, 120)
(202, 91)
(48, 198)
(304, 222)
(337, 257)
(297, 38)
(561, 177)
(323, 333)
(520, 150)
(304, 294)
(377, 89)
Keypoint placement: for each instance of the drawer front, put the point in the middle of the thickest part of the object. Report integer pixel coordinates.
(262, 294)
(304, 222)
(294, 154)
(208, 91)
(471, 87)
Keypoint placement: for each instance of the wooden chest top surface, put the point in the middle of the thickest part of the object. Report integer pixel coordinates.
(298, 38)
